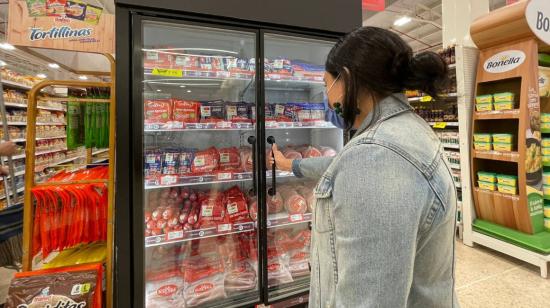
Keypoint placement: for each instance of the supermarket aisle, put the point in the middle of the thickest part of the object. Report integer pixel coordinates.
(486, 278)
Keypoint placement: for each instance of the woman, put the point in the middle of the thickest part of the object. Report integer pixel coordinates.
(384, 220)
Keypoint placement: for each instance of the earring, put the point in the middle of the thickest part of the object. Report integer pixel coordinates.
(338, 109)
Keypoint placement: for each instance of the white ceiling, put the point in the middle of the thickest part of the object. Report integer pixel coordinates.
(424, 31)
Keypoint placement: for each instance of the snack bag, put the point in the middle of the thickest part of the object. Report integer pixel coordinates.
(75, 9)
(37, 8)
(77, 286)
(93, 13)
(55, 8)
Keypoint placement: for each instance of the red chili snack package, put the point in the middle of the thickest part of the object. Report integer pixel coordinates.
(186, 111)
(74, 286)
(158, 111)
(230, 159)
(205, 161)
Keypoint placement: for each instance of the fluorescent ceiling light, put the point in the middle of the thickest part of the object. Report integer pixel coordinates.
(159, 90)
(2, 63)
(54, 65)
(182, 86)
(402, 21)
(188, 91)
(82, 77)
(7, 46)
(41, 75)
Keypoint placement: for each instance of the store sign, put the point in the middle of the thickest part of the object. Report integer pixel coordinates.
(537, 14)
(65, 25)
(504, 61)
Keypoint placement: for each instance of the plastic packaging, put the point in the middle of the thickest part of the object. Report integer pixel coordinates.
(482, 146)
(503, 138)
(503, 97)
(482, 99)
(484, 107)
(503, 105)
(487, 186)
(505, 189)
(483, 138)
(487, 177)
(510, 180)
(504, 147)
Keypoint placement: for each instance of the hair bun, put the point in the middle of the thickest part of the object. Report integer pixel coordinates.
(428, 73)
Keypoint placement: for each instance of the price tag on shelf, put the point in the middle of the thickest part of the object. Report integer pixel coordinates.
(174, 235)
(167, 72)
(224, 227)
(426, 99)
(440, 125)
(224, 176)
(168, 180)
(296, 217)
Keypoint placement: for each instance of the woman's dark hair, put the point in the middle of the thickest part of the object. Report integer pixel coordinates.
(378, 62)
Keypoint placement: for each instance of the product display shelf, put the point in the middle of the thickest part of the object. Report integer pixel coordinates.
(497, 114)
(284, 219)
(510, 224)
(35, 95)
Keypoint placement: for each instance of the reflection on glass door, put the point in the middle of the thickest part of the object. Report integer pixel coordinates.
(199, 206)
(295, 120)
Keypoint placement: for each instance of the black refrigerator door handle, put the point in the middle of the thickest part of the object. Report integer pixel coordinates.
(272, 191)
(252, 141)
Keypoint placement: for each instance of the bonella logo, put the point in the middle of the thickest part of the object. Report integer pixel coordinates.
(504, 61)
(537, 14)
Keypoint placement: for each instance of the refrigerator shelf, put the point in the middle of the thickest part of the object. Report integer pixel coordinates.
(167, 181)
(228, 126)
(183, 236)
(285, 219)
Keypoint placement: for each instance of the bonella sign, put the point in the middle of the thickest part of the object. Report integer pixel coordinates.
(504, 61)
(537, 14)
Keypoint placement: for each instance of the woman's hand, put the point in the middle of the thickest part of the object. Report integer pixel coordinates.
(283, 163)
(7, 148)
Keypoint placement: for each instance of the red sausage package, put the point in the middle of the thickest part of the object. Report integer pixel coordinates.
(237, 207)
(246, 159)
(186, 111)
(158, 111)
(238, 113)
(294, 203)
(278, 267)
(170, 160)
(240, 276)
(185, 161)
(204, 279)
(309, 151)
(164, 290)
(205, 161)
(275, 204)
(230, 159)
(212, 207)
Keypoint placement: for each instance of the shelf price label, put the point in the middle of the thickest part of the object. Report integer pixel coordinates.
(167, 72)
(426, 99)
(440, 125)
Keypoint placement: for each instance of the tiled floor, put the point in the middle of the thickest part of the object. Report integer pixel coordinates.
(485, 278)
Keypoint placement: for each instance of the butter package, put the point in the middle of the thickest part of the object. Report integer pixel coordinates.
(482, 146)
(481, 99)
(505, 189)
(545, 151)
(545, 142)
(510, 180)
(503, 138)
(484, 107)
(487, 186)
(544, 81)
(546, 159)
(544, 125)
(546, 190)
(503, 97)
(547, 224)
(483, 138)
(547, 211)
(545, 117)
(488, 177)
(503, 105)
(546, 178)
(505, 147)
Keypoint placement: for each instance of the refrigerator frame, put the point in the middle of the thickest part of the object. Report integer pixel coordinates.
(129, 233)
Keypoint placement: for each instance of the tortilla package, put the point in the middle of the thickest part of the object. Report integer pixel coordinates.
(77, 286)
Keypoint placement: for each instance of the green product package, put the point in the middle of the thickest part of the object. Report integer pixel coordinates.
(544, 59)
(75, 122)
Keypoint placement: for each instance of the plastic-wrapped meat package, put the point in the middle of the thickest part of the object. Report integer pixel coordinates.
(186, 111)
(212, 112)
(278, 271)
(230, 159)
(291, 153)
(185, 161)
(310, 151)
(299, 262)
(170, 160)
(237, 207)
(204, 279)
(212, 207)
(164, 289)
(158, 111)
(237, 113)
(300, 240)
(307, 193)
(275, 204)
(253, 207)
(294, 203)
(205, 161)
(240, 276)
(328, 151)
(247, 163)
(229, 248)
(153, 164)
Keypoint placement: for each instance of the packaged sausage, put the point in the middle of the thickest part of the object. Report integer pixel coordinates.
(186, 111)
(238, 113)
(77, 286)
(230, 159)
(170, 160)
(237, 207)
(185, 162)
(205, 161)
(158, 111)
(153, 163)
(163, 289)
(212, 112)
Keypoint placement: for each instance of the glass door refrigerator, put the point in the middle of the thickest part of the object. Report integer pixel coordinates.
(203, 219)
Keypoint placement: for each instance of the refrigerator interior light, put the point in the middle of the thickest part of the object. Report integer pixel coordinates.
(53, 65)
(188, 91)
(402, 21)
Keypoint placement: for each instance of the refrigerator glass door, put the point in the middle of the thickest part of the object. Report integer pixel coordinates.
(199, 129)
(295, 118)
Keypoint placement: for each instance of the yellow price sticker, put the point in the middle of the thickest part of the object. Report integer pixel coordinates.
(426, 99)
(167, 72)
(440, 124)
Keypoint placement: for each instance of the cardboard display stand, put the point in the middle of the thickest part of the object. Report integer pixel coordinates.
(509, 63)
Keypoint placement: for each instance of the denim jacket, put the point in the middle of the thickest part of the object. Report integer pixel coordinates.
(384, 219)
